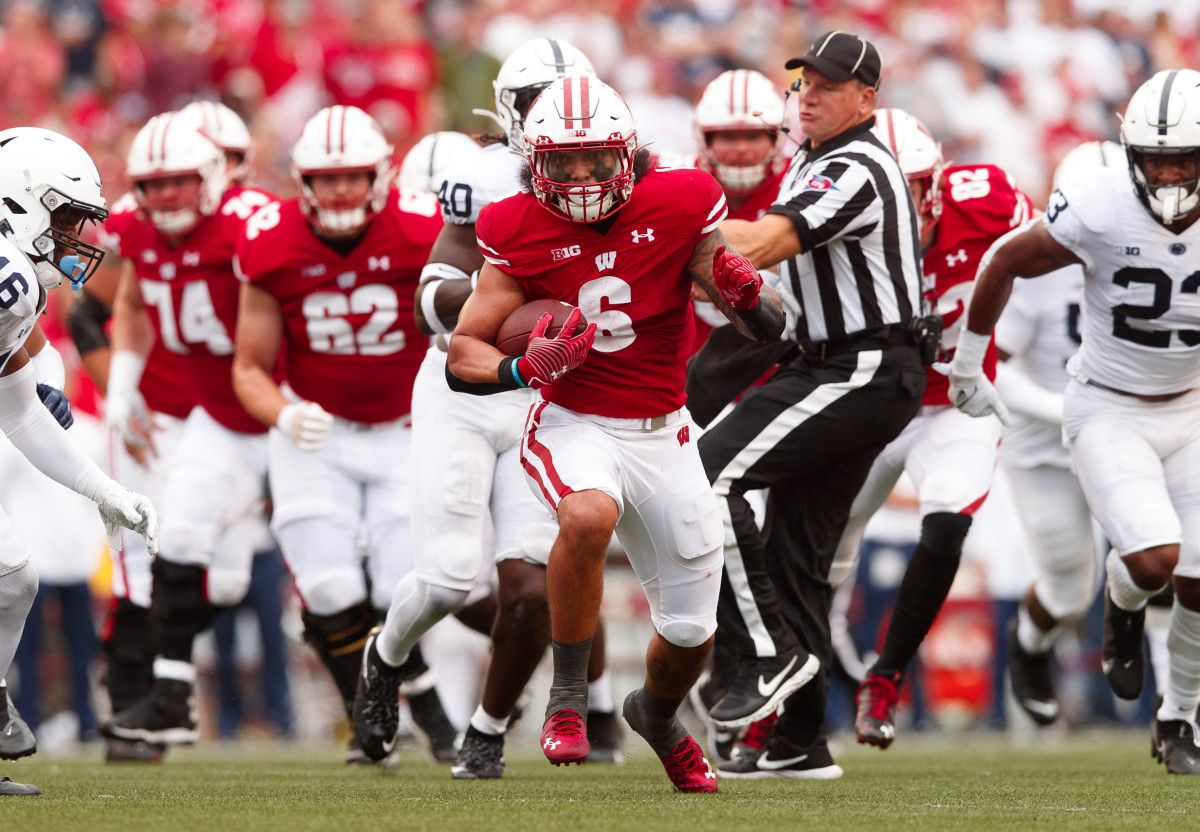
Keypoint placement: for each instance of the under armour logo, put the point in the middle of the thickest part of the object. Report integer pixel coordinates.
(379, 264)
(190, 258)
(684, 436)
(638, 236)
(551, 744)
(346, 279)
(957, 257)
(608, 258)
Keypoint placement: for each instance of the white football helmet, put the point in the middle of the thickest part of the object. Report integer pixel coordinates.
(49, 190)
(424, 167)
(581, 114)
(168, 145)
(525, 73)
(1085, 158)
(1163, 119)
(226, 128)
(920, 159)
(739, 99)
(343, 140)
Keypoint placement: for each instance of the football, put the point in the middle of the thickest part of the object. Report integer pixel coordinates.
(513, 336)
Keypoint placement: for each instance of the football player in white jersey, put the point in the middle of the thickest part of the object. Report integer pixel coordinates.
(50, 190)
(1130, 416)
(1038, 332)
(466, 450)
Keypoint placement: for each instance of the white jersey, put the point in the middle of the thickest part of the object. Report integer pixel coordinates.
(1142, 292)
(1040, 329)
(22, 299)
(477, 180)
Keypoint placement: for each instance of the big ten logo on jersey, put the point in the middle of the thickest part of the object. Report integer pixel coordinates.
(331, 332)
(565, 252)
(193, 322)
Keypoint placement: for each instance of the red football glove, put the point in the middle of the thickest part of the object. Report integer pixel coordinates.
(737, 280)
(547, 359)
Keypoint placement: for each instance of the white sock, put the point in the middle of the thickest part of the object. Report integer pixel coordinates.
(17, 591)
(1182, 692)
(1158, 629)
(600, 694)
(174, 669)
(416, 606)
(485, 723)
(1125, 593)
(1032, 638)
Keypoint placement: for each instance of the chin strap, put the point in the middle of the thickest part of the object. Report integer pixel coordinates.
(479, 111)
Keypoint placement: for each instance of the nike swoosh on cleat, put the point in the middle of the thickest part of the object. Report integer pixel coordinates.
(766, 688)
(1046, 709)
(388, 746)
(775, 765)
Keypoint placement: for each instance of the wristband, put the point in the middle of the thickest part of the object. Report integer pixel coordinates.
(510, 377)
(969, 352)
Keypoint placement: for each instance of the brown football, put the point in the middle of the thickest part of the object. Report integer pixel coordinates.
(513, 336)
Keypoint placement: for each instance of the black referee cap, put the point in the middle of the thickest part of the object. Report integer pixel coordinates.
(840, 56)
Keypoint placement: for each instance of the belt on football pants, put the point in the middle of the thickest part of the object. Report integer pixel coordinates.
(884, 337)
(1149, 398)
(647, 423)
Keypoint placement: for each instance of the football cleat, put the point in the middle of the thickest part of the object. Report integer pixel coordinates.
(564, 738)
(1121, 653)
(429, 716)
(166, 716)
(782, 758)
(8, 787)
(377, 702)
(688, 769)
(1173, 744)
(761, 686)
(1032, 683)
(132, 751)
(875, 708)
(604, 738)
(16, 739)
(755, 737)
(480, 758)
(355, 756)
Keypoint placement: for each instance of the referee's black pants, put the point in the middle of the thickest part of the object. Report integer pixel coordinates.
(810, 435)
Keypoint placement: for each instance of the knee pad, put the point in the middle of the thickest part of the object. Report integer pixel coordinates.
(179, 592)
(443, 600)
(226, 587)
(325, 593)
(18, 588)
(943, 533)
(687, 632)
(129, 633)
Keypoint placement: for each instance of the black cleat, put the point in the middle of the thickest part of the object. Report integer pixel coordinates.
(166, 716)
(377, 703)
(429, 716)
(761, 686)
(1122, 654)
(604, 737)
(132, 751)
(480, 758)
(16, 739)
(783, 758)
(875, 704)
(1173, 744)
(1032, 683)
(8, 787)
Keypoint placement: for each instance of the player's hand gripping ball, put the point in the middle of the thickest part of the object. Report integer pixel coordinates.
(556, 344)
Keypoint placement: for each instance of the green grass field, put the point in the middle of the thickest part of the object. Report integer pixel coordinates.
(977, 783)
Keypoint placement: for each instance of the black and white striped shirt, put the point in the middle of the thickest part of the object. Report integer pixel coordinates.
(860, 268)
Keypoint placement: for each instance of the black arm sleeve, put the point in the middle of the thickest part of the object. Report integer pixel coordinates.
(484, 389)
(764, 321)
(86, 322)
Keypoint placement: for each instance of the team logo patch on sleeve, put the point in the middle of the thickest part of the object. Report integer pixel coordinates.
(817, 182)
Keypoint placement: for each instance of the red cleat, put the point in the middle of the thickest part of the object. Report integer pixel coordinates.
(688, 768)
(564, 738)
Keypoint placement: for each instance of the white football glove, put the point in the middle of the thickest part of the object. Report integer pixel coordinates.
(125, 410)
(970, 390)
(307, 424)
(121, 508)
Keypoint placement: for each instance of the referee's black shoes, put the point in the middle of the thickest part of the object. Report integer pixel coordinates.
(761, 686)
(781, 757)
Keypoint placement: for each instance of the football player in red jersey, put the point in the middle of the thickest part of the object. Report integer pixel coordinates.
(737, 122)
(950, 456)
(608, 446)
(180, 291)
(330, 278)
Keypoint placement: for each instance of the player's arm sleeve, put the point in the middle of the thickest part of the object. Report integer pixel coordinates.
(837, 199)
(86, 321)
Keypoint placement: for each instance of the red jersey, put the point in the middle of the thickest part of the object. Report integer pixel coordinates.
(750, 209)
(629, 278)
(191, 294)
(980, 204)
(351, 339)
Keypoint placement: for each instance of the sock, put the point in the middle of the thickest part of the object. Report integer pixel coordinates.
(1182, 691)
(1124, 592)
(1032, 638)
(1158, 629)
(570, 688)
(485, 723)
(600, 694)
(657, 718)
(925, 586)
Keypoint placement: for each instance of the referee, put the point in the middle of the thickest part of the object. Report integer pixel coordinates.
(844, 232)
